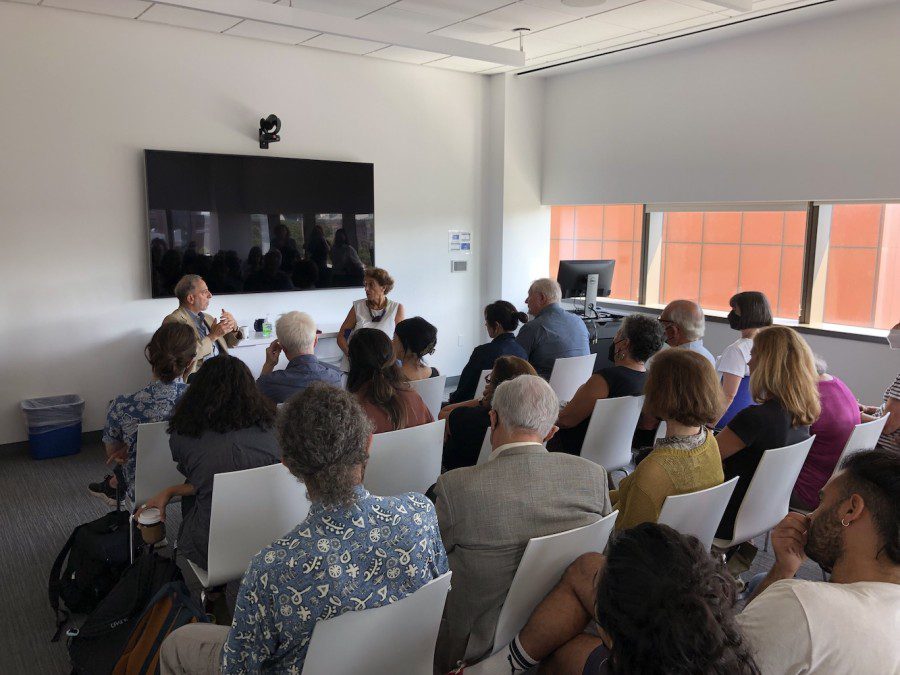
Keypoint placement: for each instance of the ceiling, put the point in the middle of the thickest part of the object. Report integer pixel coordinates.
(559, 32)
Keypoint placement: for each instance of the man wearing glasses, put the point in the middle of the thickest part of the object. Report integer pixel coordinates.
(684, 324)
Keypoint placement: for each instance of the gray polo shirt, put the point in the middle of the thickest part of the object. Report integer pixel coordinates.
(302, 371)
(554, 333)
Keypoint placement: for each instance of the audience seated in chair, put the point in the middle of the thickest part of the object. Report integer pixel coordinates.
(468, 421)
(414, 339)
(890, 435)
(553, 333)
(661, 605)
(684, 326)
(487, 513)
(639, 338)
(170, 353)
(783, 382)
(297, 338)
(354, 551)
(221, 424)
(850, 624)
(501, 320)
(682, 390)
(376, 380)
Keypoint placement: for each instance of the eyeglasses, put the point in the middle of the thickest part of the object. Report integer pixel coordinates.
(665, 321)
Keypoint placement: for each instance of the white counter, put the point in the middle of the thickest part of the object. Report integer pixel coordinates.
(252, 349)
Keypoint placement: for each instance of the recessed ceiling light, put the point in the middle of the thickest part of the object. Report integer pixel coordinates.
(582, 3)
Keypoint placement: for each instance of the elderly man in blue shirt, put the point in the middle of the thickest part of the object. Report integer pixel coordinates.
(684, 324)
(297, 338)
(553, 333)
(354, 551)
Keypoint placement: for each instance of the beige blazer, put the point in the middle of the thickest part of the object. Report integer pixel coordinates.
(487, 514)
(204, 344)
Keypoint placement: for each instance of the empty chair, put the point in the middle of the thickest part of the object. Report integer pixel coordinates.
(486, 448)
(395, 638)
(250, 510)
(863, 437)
(482, 383)
(608, 438)
(432, 392)
(154, 470)
(698, 513)
(570, 373)
(769, 493)
(406, 460)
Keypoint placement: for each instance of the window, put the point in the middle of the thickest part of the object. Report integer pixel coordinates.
(600, 232)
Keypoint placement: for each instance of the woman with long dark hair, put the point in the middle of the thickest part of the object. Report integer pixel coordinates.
(377, 382)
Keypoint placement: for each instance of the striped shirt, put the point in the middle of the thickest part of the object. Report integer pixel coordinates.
(891, 441)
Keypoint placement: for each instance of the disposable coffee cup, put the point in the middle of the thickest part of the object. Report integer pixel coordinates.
(245, 331)
(150, 524)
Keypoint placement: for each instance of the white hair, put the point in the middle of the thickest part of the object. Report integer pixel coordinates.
(526, 403)
(549, 288)
(688, 315)
(821, 364)
(296, 331)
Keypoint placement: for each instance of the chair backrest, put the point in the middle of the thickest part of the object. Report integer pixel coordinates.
(769, 493)
(408, 460)
(482, 383)
(395, 638)
(250, 510)
(569, 373)
(698, 513)
(610, 431)
(660, 431)
(155, 470)
(540, 569)
(432, 392)
(863, 437)
(486, 448)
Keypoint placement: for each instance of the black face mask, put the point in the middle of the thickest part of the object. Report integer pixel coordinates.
(734, 321)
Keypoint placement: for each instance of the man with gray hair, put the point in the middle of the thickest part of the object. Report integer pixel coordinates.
(214, 336)
(553, 333)
(487, 513)
(297, 337)
(685, 326)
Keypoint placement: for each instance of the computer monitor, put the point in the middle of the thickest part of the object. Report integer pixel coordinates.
(590, 278)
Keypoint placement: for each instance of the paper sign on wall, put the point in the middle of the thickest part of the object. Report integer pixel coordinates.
(460, 241)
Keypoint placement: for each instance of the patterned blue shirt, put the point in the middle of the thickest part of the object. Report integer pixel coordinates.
(374, 552)
(153, 403)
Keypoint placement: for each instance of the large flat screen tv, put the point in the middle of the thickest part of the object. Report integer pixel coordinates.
(250, 224)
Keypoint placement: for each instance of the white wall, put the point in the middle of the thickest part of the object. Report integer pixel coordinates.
(806, 111)
(83, 95)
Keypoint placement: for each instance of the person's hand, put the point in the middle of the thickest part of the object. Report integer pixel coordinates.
(273, 352)
(158, 501)
(229, 321)
(118, 457)
(788, 542)
(868, 409)
(218, 329)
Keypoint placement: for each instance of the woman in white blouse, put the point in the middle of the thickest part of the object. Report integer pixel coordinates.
(373, 311)
(750, 311)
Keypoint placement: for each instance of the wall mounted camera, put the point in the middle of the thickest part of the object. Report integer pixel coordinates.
(268, 131)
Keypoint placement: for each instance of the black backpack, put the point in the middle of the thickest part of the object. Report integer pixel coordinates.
(95, 648)
(95, 556)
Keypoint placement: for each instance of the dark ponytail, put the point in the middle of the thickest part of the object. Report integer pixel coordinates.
(373, 364)
(170, 350)
(505, 314)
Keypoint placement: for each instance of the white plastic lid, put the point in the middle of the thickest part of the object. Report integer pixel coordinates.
(149, 516)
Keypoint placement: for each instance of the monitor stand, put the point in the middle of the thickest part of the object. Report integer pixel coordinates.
(590, 294)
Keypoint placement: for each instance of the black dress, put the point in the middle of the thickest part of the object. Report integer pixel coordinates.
(467, 428)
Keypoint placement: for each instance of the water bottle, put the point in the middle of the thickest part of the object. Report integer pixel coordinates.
(267, 327)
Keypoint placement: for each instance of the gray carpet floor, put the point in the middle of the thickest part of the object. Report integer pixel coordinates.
(43, 501)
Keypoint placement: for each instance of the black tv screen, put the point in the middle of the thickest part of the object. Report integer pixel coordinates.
(250, 224)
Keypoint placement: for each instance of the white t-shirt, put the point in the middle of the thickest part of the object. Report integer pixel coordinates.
(796, 627)
(735, 358)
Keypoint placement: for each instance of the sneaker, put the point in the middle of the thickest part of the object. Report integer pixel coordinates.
(103, 490)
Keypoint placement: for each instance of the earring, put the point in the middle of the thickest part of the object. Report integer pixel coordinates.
(844, 524)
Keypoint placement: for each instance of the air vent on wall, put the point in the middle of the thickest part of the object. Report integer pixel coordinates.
(459, 265)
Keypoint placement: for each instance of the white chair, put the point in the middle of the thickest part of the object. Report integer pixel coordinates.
(697, 513)
(154, 468)
(432, 392)
(540, 569)
(395, 638)
(607, 440)
(482, 383)
(408, 460)
(769, 493)
(486, 448)
(863, 437)
(250, 510)
(660, 431)
(569, 373)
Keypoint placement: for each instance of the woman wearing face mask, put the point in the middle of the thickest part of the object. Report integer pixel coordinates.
(750, 311)
(639, 338)
(890, 437)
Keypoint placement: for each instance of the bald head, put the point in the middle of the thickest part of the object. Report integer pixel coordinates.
(683, 321)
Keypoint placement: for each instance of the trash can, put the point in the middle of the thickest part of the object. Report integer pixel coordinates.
(54, 425)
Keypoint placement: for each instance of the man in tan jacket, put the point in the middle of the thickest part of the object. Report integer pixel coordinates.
(213, 336)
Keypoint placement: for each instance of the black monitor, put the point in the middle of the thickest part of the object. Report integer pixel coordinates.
(573, 277)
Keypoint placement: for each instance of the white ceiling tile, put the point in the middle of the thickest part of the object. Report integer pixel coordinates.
(267, 31)
(497, 70)
(405, 19)
(649, 14)
(461, 63)
(352, 9)
(625, 40)
(128, 9)
(697, 22)
(188, 18)
(535, 46)
(406, 55)
(339, 43)
(498, 25)
(703, 4)
(584, 32)
(451, 11)
(602, 6)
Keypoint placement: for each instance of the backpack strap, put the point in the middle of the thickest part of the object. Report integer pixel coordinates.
(53, 588)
